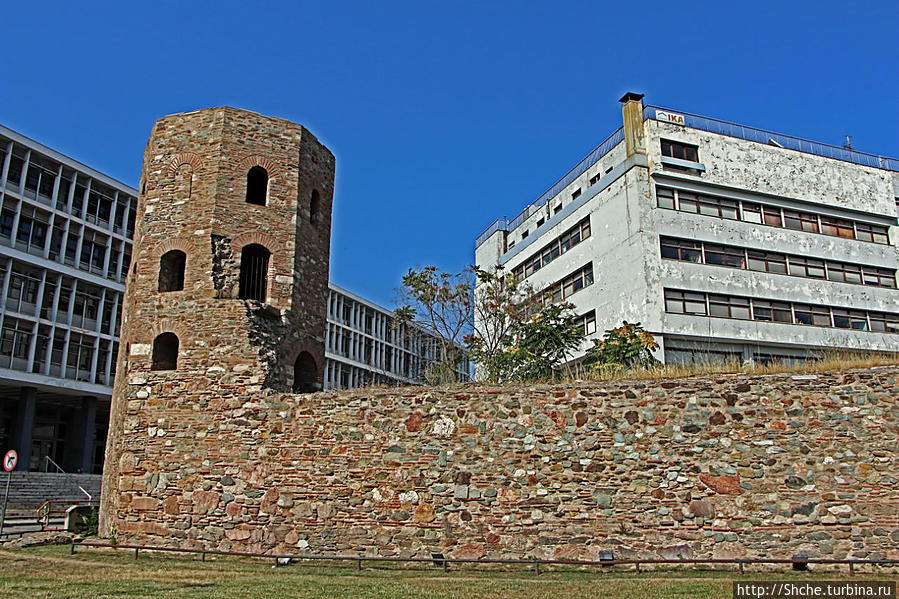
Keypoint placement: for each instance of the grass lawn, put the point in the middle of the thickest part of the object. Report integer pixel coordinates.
(52, 572)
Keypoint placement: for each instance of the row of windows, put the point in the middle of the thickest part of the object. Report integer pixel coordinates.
(77, 303)
(93, 201)
(774, 262)
(566, 287)
(31, 235)
(73, 355)
(773, 216)
(744, 308)
(559, 246)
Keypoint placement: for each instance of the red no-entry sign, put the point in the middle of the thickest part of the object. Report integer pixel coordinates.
(10, 460)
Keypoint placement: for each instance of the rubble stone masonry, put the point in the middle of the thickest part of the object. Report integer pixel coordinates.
(720, 466)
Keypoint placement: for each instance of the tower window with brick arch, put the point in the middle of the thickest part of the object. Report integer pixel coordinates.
(165, 352)
(171, 270)
(257, 186)
(254, 260)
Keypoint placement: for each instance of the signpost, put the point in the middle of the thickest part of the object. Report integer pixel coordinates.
(9, 463)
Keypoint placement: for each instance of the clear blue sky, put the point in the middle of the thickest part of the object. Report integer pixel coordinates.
(443, 116)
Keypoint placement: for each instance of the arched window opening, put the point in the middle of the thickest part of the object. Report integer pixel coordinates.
(165, 352)
(253, 272)
(314, 207)
(171, 270)
(305, 374)
(257, 186)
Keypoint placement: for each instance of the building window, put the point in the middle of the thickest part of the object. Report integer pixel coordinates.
(165, 352)
(588, 321)
(680, 249)
(171, 271)
(681, 151)
(772, 311)
(305, 374)
(684, 302)
(314, 207)
(800, 221)
(724, 306)
(723, 255)
(807, 267)
(665, 198)
(253, 272)
(257, 186)
(576, 193)
(767, 262)
(866, 232)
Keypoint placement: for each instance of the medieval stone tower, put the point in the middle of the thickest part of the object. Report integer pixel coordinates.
(228, 285)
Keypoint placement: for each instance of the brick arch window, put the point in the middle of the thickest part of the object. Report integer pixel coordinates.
(165, 352)
(171, 270)
(257, 185)
(253, 272)
(305, 373)
(314, 207)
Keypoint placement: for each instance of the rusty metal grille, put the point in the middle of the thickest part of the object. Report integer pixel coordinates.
(253, 272)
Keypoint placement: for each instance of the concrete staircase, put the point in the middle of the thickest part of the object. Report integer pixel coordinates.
(28, 490)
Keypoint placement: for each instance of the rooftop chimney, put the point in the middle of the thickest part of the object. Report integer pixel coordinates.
(632, 114)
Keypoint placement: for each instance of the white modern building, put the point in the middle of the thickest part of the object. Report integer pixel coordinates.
(365, 345)
(65, 246)
(725, 241)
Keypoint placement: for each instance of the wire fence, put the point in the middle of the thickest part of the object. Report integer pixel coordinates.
(441, 562)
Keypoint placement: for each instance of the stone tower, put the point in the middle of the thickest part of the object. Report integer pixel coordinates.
(228, 285)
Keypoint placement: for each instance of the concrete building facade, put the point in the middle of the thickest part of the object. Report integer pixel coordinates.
(726, 242)
(65, 248)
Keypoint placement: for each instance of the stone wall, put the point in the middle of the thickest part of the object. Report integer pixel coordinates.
(702, 467)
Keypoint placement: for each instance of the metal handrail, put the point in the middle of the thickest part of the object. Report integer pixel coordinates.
(58, 467)
(444, 561)
(46, 509)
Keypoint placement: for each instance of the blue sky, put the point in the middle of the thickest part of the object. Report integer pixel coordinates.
(443, 116)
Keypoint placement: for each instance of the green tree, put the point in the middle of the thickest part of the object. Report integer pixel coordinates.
(441, 303)
(501, 303)
(627, 346)
(543, 343)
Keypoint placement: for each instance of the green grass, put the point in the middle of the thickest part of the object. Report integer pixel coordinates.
(100, 573)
